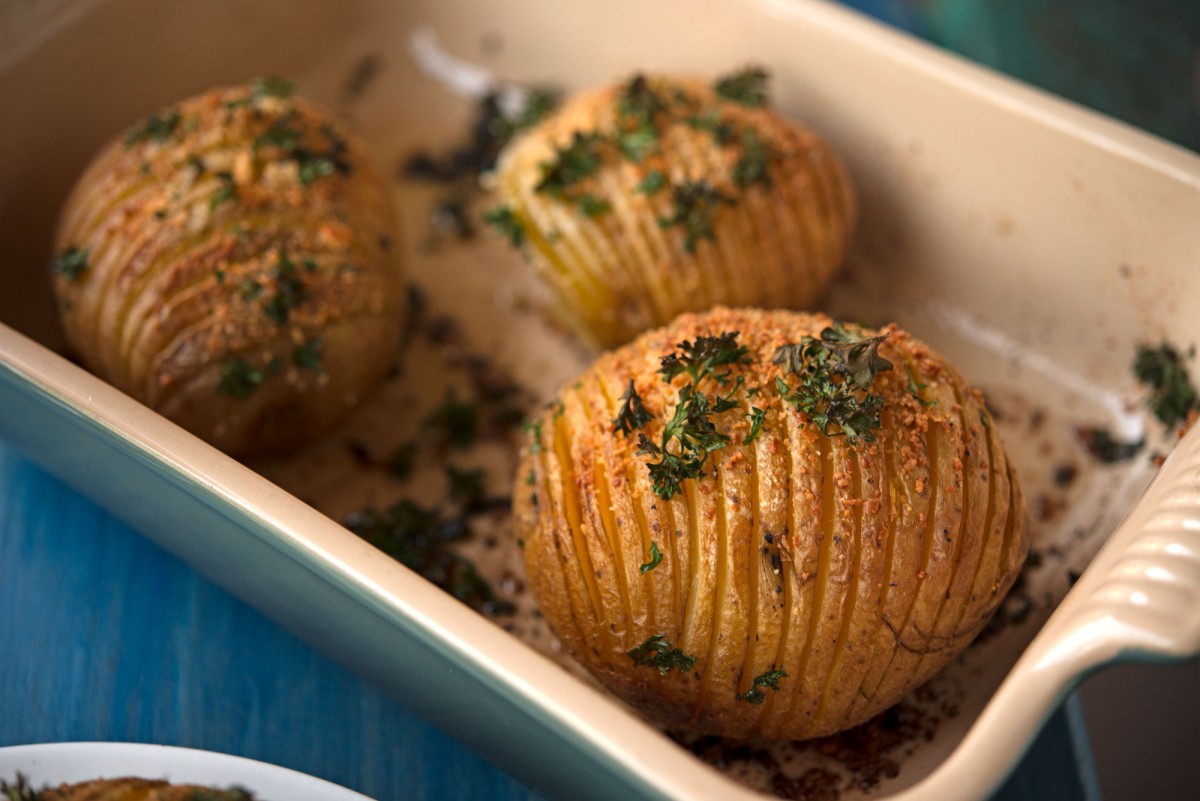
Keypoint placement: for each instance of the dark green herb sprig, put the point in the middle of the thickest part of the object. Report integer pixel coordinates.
(656, 558)
(769, 679)
(695, 204)
(753, 165)
(308, 356)
(1172, 396)
(506, 222)
(289, 291)
(747, 86)
(571, 164)
(71, 263)
(239, 380)
(638, 107)
(632, 414)
(835, 371)
(155, 128)
(457, 422)
(657, 653)
(710, 120)
(691, 435)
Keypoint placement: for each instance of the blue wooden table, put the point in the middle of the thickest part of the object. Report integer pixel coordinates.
(104, 636)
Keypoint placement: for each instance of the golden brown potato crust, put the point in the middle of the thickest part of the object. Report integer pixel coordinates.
(696, 202)
(858, 569)
(234, 267)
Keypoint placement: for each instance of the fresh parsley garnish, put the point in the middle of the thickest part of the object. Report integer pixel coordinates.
(757, 418)
(593, 206)
(654, 181)
(769, 679)
(657, 653)
(655, 559)
(289, 291)
(308, 356)
(835, 371)
(155, 128)
(638, 106)
(632, 414)
(272, 86)
(71, 263)
(695, 204)
(1172, 396)
(752, 166)
(238, 379)
(691, 435)
(698, 359)
(571, 164)
(225, 192)
(505, 221)
(748, 86)
(710, 120)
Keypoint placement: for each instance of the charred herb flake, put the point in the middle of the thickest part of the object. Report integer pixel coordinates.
(835, 371)
(657, 653)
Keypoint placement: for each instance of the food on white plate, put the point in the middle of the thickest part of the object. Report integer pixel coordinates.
(231, 261)
(123, 789)
(767, 524)
(660, 194)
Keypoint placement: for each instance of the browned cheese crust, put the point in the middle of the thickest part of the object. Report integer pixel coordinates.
(238, 268)
(751, 208)
(857, 568)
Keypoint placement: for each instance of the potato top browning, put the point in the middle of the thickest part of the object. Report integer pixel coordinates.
(814, 571)
(661, 195)
(230, 261)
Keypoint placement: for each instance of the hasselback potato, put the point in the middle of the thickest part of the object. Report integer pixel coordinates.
(661, 195)
(763, 523)
(230, 261)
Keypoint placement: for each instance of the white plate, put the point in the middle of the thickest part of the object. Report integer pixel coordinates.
(55, 763)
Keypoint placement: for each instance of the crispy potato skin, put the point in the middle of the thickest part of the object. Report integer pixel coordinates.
(857, 568)
(240, 275)
(773, 241)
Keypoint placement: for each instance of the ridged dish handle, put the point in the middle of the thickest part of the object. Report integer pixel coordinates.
(1139, 599)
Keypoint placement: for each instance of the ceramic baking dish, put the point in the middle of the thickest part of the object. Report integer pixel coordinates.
(1034, 243)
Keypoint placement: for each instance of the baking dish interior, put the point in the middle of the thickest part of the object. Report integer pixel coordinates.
(1034, 244)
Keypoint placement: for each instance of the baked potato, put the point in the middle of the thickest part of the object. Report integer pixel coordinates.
(765, 524)
(231, 262)
(660, 195)
(131, 789)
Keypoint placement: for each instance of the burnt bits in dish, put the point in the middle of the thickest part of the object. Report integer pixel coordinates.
(231, 261)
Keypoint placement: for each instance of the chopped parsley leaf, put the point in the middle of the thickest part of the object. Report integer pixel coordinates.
(155, 128)
(695, 204)
(632, 414)
(769, 679)
(656, 558)
(657, 653)
(308, 356)
(71, 263)
(747, 87)
(506, 222)
(654, 181)
(238, 379)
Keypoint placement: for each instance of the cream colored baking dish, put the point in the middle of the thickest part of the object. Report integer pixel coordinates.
(1032, 242)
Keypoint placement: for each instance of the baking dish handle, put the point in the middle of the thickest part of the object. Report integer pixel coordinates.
(1139, 599)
